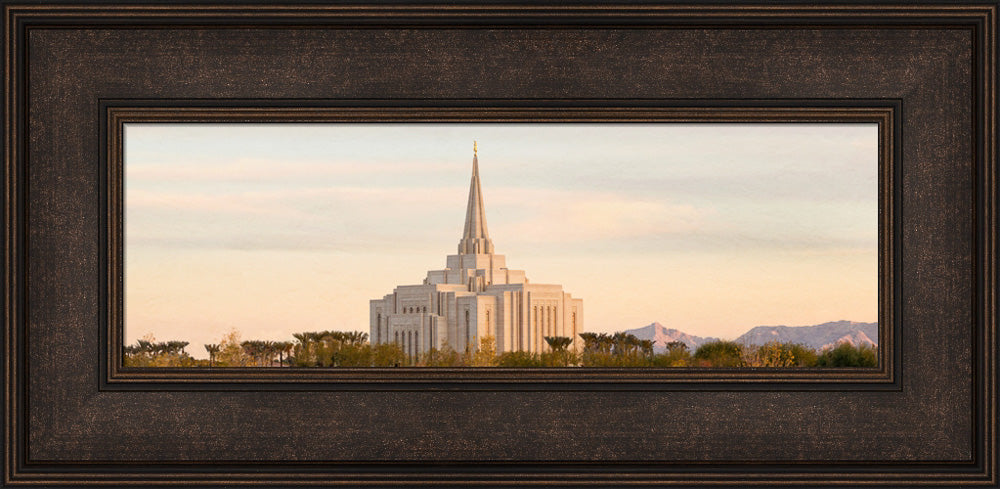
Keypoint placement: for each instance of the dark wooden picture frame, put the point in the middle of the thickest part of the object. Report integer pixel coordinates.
(926, 73)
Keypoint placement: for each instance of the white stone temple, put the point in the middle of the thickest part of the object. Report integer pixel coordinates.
(475, 296)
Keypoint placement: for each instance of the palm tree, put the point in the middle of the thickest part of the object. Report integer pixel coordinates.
(620, 342)
(647, 347)
(605, 342)
(253, 349)
(590, 343)
(356, 337)
(271, 350)
(304, 350)
(212, 349)
(176, 347)
(159, 348)
(284, 348)
(558, 343)
(302, 338)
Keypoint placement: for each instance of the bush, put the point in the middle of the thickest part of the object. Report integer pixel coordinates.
(770, 354)
(629, 359)
(445, 357)
(676, 355)
(486, 354)
(672, 358)
(561, 358)
(355, 356)
(847, 355)
(719, 354)
(803, 355)
(519, 359)
(388, 355)
(598, 359)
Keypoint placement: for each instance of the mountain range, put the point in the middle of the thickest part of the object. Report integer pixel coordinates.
(662, 335)
(819, 336)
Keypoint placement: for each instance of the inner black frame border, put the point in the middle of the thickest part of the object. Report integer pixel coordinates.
(885, 113)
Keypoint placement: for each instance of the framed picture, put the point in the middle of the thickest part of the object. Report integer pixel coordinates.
(729, 224)
(180, 175)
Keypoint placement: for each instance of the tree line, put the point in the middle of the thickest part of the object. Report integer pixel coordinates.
(352, 349)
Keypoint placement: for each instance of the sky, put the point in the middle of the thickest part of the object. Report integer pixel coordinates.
(272, 229)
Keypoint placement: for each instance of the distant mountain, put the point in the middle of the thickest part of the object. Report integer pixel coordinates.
(662, 335)
(820, 336)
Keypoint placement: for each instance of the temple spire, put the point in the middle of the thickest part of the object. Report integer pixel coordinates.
(475, 238)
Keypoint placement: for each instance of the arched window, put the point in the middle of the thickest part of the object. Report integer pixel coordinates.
(378, 328)
(425, 308)
(397, 337)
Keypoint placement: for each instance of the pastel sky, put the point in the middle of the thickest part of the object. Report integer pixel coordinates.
(712, 229)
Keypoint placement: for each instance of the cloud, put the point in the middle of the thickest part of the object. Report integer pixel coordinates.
(269, 171)
(288, 202)
(550, 216)
(341, 218)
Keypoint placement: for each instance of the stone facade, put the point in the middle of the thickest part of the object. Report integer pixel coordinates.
(475, 295)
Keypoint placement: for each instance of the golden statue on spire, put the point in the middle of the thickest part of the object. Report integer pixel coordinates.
(475, 148)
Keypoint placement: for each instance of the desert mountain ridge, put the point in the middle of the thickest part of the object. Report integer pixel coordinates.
(819, 336)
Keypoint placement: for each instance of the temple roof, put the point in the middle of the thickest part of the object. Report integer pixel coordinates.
(475, 238)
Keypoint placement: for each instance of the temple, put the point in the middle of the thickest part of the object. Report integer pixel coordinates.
(476, 295)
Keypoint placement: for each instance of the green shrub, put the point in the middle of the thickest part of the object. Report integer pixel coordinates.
(445, 357)
(847, 355)
(803, 355)
(676, 355)
(770, 354)
(355, 356)
(560, 358)
(388, 355)
(519, 359)
(719, 354)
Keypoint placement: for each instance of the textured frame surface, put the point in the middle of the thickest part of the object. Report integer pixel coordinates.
(67, 422)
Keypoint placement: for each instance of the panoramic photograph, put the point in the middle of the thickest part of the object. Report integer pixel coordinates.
(704, 245)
